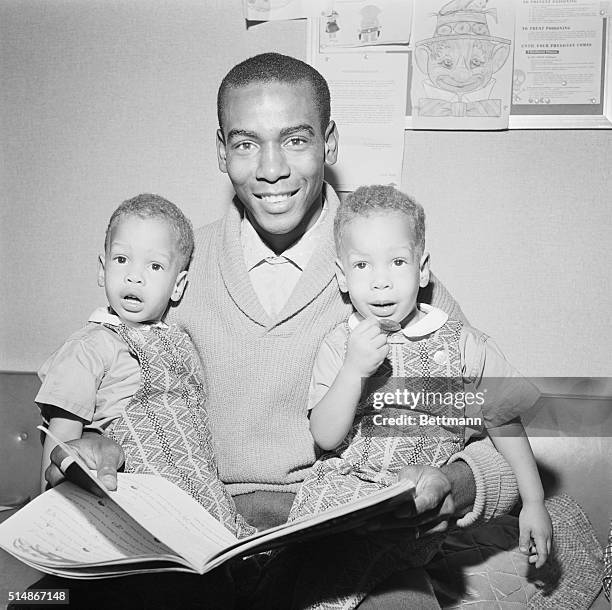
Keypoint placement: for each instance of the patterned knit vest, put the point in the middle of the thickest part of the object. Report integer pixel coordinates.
(384, 440)
(164, 429)
(425, 375)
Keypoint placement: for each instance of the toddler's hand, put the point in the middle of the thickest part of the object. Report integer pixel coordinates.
(535, 536)
(367, 348)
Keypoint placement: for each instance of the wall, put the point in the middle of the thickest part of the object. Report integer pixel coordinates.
(101, 100)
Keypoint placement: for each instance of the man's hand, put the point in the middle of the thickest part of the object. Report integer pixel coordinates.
(98, 452)
(367, 348)
(433, 505)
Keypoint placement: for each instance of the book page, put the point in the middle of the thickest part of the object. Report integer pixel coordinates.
(172, 516)
(69, 532)
(340, 518)
(69, 526)
(165, 510)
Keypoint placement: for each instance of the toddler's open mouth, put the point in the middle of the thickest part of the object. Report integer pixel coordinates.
(132, 302)
(383, 308)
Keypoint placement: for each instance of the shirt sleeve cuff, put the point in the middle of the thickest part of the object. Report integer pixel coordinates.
(496, 487)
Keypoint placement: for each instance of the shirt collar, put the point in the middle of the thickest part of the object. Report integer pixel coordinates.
(103, 315)
(433, 320)
(255, 250)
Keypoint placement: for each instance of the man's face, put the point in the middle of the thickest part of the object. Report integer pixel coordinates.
(274, 152)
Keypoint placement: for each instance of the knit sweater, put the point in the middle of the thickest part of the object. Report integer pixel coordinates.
(257, 369)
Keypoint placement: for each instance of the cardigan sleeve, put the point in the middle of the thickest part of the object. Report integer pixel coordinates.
(496, 486)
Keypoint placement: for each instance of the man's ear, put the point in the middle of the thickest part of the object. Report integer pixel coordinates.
(340, 276)
(221, 151)
(179, 286)
(101, 270)
(424, 270)
(331, 143)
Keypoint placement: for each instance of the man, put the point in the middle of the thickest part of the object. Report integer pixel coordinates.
(262, 295)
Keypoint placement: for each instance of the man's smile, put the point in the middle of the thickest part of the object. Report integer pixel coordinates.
(275, 197)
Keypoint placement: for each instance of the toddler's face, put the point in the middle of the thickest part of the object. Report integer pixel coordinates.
(141, 270)
(378, 269)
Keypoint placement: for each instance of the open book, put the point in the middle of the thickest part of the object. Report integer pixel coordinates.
(151, 525)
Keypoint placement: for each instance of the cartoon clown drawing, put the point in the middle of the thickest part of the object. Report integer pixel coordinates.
(460, 60)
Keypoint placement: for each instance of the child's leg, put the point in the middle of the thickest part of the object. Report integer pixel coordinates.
(330, 484)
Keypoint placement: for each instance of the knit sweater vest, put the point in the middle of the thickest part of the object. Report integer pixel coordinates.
(256, 368)
(374, 451)
(164, 429)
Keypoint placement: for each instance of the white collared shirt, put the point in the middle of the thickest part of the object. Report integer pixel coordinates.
(274, 277)
(102, 315)
(433, 320)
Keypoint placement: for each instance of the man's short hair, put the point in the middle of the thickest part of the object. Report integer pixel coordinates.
(270, 67)
(157, 208)
(377, 199)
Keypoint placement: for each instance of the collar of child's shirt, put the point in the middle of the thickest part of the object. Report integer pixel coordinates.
(433, 320)
(103, 315)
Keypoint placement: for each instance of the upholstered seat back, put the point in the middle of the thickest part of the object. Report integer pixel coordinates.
(20, 443)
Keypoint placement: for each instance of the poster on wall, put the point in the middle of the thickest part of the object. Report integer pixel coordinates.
(487, 64)
(368, 101)
(462, 64)
(360, 47)
(358, 23)
(560, 58)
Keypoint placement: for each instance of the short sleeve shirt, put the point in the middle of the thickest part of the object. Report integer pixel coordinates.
(92, 375)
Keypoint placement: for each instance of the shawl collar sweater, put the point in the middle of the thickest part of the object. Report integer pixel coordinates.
(257, 368)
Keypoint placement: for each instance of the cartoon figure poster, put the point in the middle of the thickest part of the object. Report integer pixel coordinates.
(359, 23)
(462, 64)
